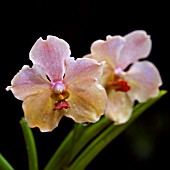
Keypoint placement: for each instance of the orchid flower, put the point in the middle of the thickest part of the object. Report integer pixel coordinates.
(125, 78)
(57, 86)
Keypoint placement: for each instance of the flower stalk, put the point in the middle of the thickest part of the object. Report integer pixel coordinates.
(30, 145)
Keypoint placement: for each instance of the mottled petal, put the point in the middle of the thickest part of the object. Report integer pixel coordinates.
(51, 55)
(38, 110)
(81, 69)
(119, 107)
(144, 79)
(137, 46)
(108, 50)
(29, 81)
(87, 101)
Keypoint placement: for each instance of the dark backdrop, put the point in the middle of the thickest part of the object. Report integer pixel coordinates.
(146, 142)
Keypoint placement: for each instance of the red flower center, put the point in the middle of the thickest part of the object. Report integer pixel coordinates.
(120, 86)
(61, 105)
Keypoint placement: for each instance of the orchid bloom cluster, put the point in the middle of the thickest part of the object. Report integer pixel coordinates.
(107, 81)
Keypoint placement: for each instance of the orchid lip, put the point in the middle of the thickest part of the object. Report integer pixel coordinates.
(120, 86)
(61, 105)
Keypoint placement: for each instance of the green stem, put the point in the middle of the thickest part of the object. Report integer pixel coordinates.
(30, 145)
(4, 164)
(59, 157)
(107, 136)
(77, 132)
(87, 134)
(77, 138)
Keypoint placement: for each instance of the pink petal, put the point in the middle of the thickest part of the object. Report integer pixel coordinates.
(82, 69)
(108, 50)
(51, 55)
(29, 81)
(38, 110)
(144, 79)
(87, 101)
(119, 107)
(137, 46)
(107, 72)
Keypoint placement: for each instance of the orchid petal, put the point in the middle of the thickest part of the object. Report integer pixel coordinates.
(82, 68)
(144, 79)
(137, 46)
(87, 101)
(107, 71)
(108, 50)
(51, 55)
(29, 81)
(38, 110)
(119, 107)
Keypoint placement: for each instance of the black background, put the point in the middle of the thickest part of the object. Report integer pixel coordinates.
(145, 144)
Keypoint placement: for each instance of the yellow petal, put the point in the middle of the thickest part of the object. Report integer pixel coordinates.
(38, 110)
(87, 101)
(119, 107)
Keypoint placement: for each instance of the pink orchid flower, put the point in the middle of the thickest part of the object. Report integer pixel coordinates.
(73, 90)
(125, 78)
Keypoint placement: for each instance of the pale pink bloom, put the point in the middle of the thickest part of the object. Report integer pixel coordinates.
(73, 90)
(125, 78)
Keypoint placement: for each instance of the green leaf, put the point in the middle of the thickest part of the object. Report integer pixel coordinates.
(30, 145)
(4, 164)
(108, 135)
